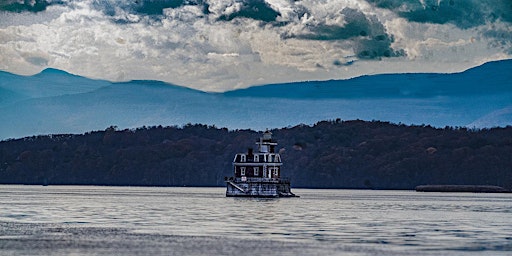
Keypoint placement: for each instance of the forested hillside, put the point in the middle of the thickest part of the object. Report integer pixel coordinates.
(330, 154)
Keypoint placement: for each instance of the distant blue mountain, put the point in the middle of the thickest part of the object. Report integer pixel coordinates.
(490, 78)
(50, 82)
(58, 102)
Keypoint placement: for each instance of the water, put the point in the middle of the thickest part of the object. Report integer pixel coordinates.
(88, 220)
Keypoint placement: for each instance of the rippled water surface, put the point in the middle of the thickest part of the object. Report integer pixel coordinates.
(88, 220)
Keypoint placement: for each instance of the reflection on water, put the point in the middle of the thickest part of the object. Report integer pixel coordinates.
(201, 221)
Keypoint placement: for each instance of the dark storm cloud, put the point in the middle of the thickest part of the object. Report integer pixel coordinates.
(26, 5)
(368, 35)
(375, 49)
(119, 10)
(254, 9)
(501, 38)
(107, 6)
(251, 9)
(356, 25)
(154, 8)
(462, 13)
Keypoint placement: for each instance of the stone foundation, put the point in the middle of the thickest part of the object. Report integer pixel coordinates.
(268, 188)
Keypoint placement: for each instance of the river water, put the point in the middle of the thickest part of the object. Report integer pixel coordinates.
(91, 220)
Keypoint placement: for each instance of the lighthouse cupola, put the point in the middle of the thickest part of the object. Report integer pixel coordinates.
(266, 144)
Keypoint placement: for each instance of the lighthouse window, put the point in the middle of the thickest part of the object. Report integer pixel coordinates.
(242, 171)
(256, 171)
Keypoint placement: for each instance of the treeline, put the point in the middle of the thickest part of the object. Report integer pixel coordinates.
(330, 154)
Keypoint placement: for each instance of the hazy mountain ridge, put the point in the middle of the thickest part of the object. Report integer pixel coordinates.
(50, 82)
(58, 102)
(489, 78)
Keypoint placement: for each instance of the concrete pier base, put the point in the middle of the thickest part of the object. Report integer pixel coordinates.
(258, 188)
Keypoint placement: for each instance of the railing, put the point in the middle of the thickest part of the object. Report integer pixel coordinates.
(286, 179)
(259, 179)
(270, 158)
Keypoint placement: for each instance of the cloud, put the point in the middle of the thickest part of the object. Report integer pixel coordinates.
(252, 9)
(218, 45)
(491, 19)
(155, 7)
(26, 5)
(462, 13)
(465, 14)
(125, 10)
(365, 32)
(500, 36)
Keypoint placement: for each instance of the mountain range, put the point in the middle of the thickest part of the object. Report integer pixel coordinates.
(55, 101)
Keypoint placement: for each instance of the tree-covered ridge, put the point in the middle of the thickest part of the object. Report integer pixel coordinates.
(330, 154)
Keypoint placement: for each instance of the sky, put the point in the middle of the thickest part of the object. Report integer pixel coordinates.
(222, 45)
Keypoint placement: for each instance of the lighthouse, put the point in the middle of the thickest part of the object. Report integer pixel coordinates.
(258, 173)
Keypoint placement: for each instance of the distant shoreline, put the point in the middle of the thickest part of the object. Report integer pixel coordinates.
(421, 188)
(462, 188)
